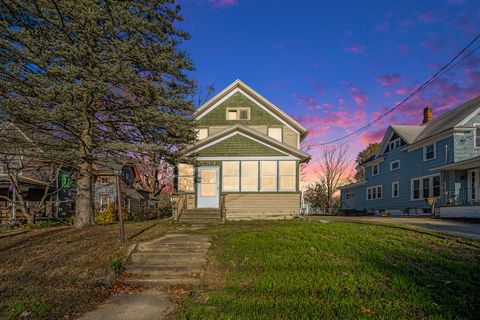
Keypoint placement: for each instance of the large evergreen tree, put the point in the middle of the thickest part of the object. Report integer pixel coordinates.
(95, 79)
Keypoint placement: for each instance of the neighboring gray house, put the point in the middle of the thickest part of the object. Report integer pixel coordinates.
(439, 159)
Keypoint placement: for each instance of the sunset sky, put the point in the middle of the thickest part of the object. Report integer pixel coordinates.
(336, 65)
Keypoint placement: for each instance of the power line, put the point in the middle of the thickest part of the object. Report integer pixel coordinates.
(446, 68)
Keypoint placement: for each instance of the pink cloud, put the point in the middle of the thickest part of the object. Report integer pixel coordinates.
(342, 101)
(389, 80)
(434, 45)
(402, 91)
(222, 3)
(358, 95)
(356, 48)
(369, 136)
(340, 118)
(428, 17)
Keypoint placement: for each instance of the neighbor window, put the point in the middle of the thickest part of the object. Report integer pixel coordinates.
(425, 187)
(185, 177)
(268, 175)
(104, 201)
(429, 152)
(231, 175)
(249, 175)
(275, 133)
(374, 193)
(394, 165)
(395, 189)
(238, 114)
(202, 133)
(394, 144)
(375, 169)
(287, 175)
(350, 196)
(477, 135)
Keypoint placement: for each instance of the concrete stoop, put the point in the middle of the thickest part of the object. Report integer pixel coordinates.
(170, 260)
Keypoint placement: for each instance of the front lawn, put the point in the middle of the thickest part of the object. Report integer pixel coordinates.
(310, 270)
(57, 272)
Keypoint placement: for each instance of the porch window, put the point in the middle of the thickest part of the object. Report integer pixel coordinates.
(249, 175)
(231, 175)
(287, 172)
(268, 175)
(185, 177)
(275, 133)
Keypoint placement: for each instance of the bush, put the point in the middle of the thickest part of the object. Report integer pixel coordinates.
(108, 216)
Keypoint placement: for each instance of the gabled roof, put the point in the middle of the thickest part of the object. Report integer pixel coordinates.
(252, 134)
(257, 98)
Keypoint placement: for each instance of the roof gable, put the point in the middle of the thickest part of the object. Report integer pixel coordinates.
(255, 98)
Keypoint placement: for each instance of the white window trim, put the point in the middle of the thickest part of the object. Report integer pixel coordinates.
(281, 133)
(197, 131)
(398, 188)
(192, 176)
(393, 143)
(238, 175)
(374, 188)
(475, 125)
(391, 165)
(294, 177)
(420, 185)
(378, 169)
(434, 151)
(238, 113)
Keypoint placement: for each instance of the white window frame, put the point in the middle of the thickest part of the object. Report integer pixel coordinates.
(475, 126)
(238, 176)
(434, 151)
(275, 128)
(374, 190)
(260, 177)
(396, 183)
(378, 169)
(393, 143)
(420, 185)
(197, 133)
(237, 110)
(391, 165)
(241, 177)
(294, 176)
(192, 176)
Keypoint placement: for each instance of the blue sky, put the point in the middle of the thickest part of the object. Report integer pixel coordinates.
(336, 65)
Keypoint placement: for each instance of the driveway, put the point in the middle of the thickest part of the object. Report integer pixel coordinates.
(464, 229)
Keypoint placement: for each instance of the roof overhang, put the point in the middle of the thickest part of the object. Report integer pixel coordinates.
(250, 133)
(353, 185)
(373, 162)
(257, 98)
(461, 165)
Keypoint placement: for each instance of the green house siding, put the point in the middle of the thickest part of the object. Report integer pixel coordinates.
(218, 116)
(238, 145)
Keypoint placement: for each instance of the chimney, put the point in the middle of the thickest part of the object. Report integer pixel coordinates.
(427, 114)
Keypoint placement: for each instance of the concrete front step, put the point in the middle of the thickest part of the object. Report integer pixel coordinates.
(200, 216)
(173, 246)
(165, 271)
(158, 282)
(184, 250)
(201, 221)
(167, 258)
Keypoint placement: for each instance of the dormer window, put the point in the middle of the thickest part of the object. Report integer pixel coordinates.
(238, 114)
(275, 133)
(394, 144)
(201, 133)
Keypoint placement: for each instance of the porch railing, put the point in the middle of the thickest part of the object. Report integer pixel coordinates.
(461, 197)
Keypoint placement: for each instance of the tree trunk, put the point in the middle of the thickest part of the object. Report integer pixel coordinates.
(83, 202)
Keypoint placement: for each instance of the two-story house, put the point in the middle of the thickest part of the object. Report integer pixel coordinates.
(247, 160)
(438, 160)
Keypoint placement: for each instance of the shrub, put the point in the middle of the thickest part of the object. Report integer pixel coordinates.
(109, 215)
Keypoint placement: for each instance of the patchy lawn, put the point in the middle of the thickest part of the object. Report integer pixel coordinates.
(58, 272)
(310, 270)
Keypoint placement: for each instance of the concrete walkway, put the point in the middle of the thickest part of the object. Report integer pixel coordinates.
(168, 261)
(464, 229)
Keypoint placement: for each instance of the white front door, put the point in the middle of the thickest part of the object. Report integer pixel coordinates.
(208, 187)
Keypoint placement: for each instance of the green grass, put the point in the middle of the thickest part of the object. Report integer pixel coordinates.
(310, 270)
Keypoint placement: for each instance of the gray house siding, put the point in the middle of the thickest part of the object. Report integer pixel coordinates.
(465, 142)
(411, 166)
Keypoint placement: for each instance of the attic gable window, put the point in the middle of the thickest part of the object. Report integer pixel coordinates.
(394, 144)
(275, 133)
(238, 114)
